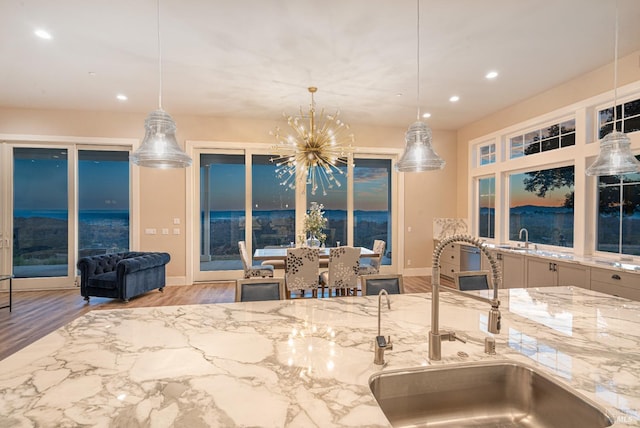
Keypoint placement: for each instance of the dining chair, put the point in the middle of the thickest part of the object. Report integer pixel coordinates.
(471, 280)
(342, 276)
(301, 270)
(251, 270)
(373, 266)
(391, 282)
(258, 289)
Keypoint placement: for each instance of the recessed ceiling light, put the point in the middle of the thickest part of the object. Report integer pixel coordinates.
(426, 115)
(454, 99)
(121, 97)
(42, 34)
(491, 75)
(399, 94)
(92, 73)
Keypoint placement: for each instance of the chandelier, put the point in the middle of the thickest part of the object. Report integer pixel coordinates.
(315, 151)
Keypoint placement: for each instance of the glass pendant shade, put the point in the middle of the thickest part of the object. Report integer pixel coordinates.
(615, 156)
(159, 148)
(418, 154)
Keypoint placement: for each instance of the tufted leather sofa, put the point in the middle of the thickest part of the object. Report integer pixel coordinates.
(122, 275)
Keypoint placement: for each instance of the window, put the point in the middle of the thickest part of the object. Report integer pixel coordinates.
(222, 211)
(487, 154)
(274, 206)
(372, 204)
(558, 135)
(542, 202)
(104, 214)
(487, 207)
(334, 200)
(619, 214)
(629, 121)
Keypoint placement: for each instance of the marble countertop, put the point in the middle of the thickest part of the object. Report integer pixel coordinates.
(304, 362)
(599, 262)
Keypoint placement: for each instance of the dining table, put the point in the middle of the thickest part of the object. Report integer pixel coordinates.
(280, 253)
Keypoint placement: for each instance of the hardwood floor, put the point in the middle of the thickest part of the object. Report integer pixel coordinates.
(37, 313)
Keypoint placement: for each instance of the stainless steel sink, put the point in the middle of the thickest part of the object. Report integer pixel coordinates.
(485, 394)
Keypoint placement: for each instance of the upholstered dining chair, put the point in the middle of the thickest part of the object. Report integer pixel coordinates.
(251, 270)
(301, 270)
(373, 266)
(258, 289)
(391, 282)
(344, 266)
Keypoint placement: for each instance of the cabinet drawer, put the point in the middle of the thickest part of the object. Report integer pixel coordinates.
(448, 269)
(632, 293)
(615, 277)
(451, 254)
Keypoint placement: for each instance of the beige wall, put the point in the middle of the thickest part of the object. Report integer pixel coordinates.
(162, 192)
(588, 85)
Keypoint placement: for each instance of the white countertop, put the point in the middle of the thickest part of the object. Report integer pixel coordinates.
(304, 362)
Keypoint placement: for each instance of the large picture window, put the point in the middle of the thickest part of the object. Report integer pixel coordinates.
(619, 214)
(541, 201)
(334, 201)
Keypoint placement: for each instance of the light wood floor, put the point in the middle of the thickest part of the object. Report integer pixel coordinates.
(37, 313)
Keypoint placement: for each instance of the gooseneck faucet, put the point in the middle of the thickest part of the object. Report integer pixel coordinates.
(381, 344)
(435, 335)
(526, 237)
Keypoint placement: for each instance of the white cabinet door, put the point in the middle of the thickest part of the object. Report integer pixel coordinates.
(540, 272)
(512, 267)
(573, 274)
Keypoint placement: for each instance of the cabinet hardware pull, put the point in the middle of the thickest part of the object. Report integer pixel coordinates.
(615, 276)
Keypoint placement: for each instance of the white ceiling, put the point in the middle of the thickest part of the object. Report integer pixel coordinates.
(255, 58)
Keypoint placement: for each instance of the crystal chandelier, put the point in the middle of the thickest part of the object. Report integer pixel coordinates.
(418, 154)
(159, 147)
(313, 150)
(615, 156)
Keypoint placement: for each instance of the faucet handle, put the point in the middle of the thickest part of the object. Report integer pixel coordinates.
(389, 344)
(451, 335)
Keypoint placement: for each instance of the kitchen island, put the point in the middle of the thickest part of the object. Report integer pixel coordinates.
(302, 363)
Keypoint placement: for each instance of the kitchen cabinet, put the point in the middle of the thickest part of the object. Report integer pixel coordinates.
(615, 282)
(544, 272)
(512, 268)
(450, 260)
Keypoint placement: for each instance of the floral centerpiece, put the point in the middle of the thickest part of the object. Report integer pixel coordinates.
(314, 223)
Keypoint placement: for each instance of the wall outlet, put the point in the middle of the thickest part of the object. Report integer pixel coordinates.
(176, 231)
(176, 220)
(165, 231)
(149, 231)
(408, 262)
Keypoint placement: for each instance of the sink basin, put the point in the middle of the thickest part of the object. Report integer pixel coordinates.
(486, 394)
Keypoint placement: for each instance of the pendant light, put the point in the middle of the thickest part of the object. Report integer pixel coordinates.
(418, 154)
(615, 156)
(159, 148)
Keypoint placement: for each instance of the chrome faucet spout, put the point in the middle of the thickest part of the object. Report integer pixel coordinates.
(381, 344)
(526, 237)
(435, 335)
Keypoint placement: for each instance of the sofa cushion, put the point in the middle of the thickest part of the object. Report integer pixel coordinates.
(106, 280)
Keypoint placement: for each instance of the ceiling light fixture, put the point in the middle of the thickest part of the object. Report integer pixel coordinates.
(491, 75)
(122, 97)
(615, 156)
(159, 147)
(314, 150)
(418, 154)
(454, 99)
(43, 34)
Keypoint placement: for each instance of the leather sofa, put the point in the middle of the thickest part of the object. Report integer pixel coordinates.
(122, 275)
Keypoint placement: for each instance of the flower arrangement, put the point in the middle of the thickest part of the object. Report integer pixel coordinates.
(315, 222)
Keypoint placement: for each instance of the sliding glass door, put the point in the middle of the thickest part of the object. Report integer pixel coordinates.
(67, 202)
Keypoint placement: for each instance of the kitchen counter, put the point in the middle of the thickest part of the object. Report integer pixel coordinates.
(304, 362)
